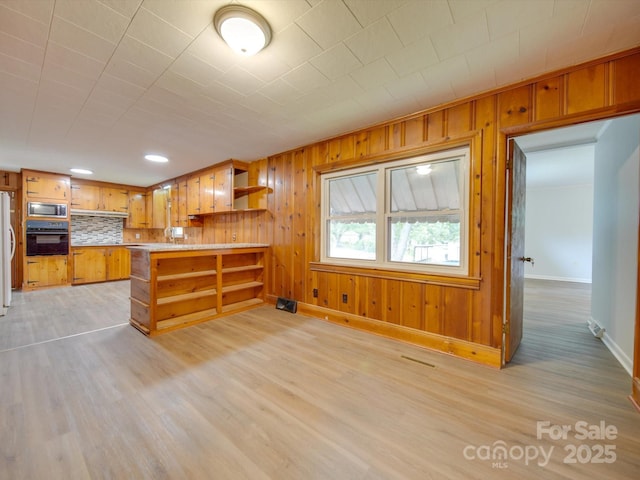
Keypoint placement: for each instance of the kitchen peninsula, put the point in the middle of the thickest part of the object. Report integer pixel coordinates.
(175, 286)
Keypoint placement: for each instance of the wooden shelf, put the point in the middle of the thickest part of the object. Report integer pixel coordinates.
(185, 296)
(190, 319)
(241, 286)
(240, 191)
(177, 276)
(177, 296)
(246, 268)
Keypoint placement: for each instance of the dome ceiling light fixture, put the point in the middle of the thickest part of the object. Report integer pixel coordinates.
(244, 29)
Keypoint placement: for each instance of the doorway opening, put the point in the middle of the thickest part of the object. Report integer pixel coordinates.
(581, 232)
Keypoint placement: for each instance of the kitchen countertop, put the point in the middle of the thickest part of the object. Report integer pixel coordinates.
(158, 247)
(84, 245)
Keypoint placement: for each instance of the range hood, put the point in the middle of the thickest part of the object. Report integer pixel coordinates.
(99, 213)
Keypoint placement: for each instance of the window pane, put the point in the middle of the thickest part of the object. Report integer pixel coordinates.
(352, 239)
(352, 195)
(426, 187)
(425, 239)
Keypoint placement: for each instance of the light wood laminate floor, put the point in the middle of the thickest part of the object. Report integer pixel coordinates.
(270, 395)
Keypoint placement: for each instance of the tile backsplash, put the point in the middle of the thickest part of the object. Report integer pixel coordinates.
(86, 230)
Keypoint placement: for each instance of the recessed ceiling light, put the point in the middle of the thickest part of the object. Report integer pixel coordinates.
(244, 30)
(82, 171)
(156, 158)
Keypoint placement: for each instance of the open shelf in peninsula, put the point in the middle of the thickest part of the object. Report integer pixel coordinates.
(175, 286)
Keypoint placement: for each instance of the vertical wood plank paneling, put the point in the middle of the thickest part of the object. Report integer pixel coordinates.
(323, 289)
(335, 153)
(378, 141)
(348, 147)
(586, 89)
(414, 131)
(549, 99)
(362, 144)
(287, 228)
(435, 126)
(396, 135)
(485, 121)
(374, 298)
(299, 224)
(317, 155)
(626, 83)
(347, 287)
(412, 305)
(333, 290)
(392, 301)
(457, 313)
(459, 119)
(282, 231)
(514, 107)
(433, 319)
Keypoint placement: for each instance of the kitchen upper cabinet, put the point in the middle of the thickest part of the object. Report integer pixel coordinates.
(207, 192)
(193, 195)
(223, 188)
(160, 199)
(45, 271)
(85, 197)
(226, 187)
(239, 186)
(94, 196)
(46, 186)
(9, 181)
(137, 209)
(179, 216)
(114, 199)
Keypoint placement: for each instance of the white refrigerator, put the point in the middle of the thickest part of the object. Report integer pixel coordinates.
(7, 249)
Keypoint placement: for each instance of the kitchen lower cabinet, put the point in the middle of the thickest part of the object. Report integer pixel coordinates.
(177, 287)
(45, 271)
(99, 264)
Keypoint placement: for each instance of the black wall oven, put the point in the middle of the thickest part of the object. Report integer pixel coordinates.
(46, 237)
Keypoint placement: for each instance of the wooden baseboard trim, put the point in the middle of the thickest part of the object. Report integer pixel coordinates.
(459, 348)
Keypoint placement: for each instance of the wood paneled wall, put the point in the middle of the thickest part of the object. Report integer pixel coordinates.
(460, 318)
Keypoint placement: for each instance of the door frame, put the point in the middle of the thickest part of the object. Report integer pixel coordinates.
(504, 137)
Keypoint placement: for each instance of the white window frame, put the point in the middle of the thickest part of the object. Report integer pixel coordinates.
(383, 213)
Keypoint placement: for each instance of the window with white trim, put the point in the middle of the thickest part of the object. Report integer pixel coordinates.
(407, 214)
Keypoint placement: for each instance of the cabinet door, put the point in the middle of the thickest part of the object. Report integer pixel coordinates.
(85, 197)
(114, 199)
(40, 186)
(159, 208)
(89, 265)
(183, 217)
(118, 263)
(193, 196)
(207, 187)
(46, 271)
(137, 210)
(175, 204)
(223, 189)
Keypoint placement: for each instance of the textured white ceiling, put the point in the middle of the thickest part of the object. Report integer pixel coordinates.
(98, 83)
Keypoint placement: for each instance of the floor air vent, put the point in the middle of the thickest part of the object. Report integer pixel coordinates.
(287, 305)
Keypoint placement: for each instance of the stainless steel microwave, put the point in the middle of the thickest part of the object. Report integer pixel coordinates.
(55, 210)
